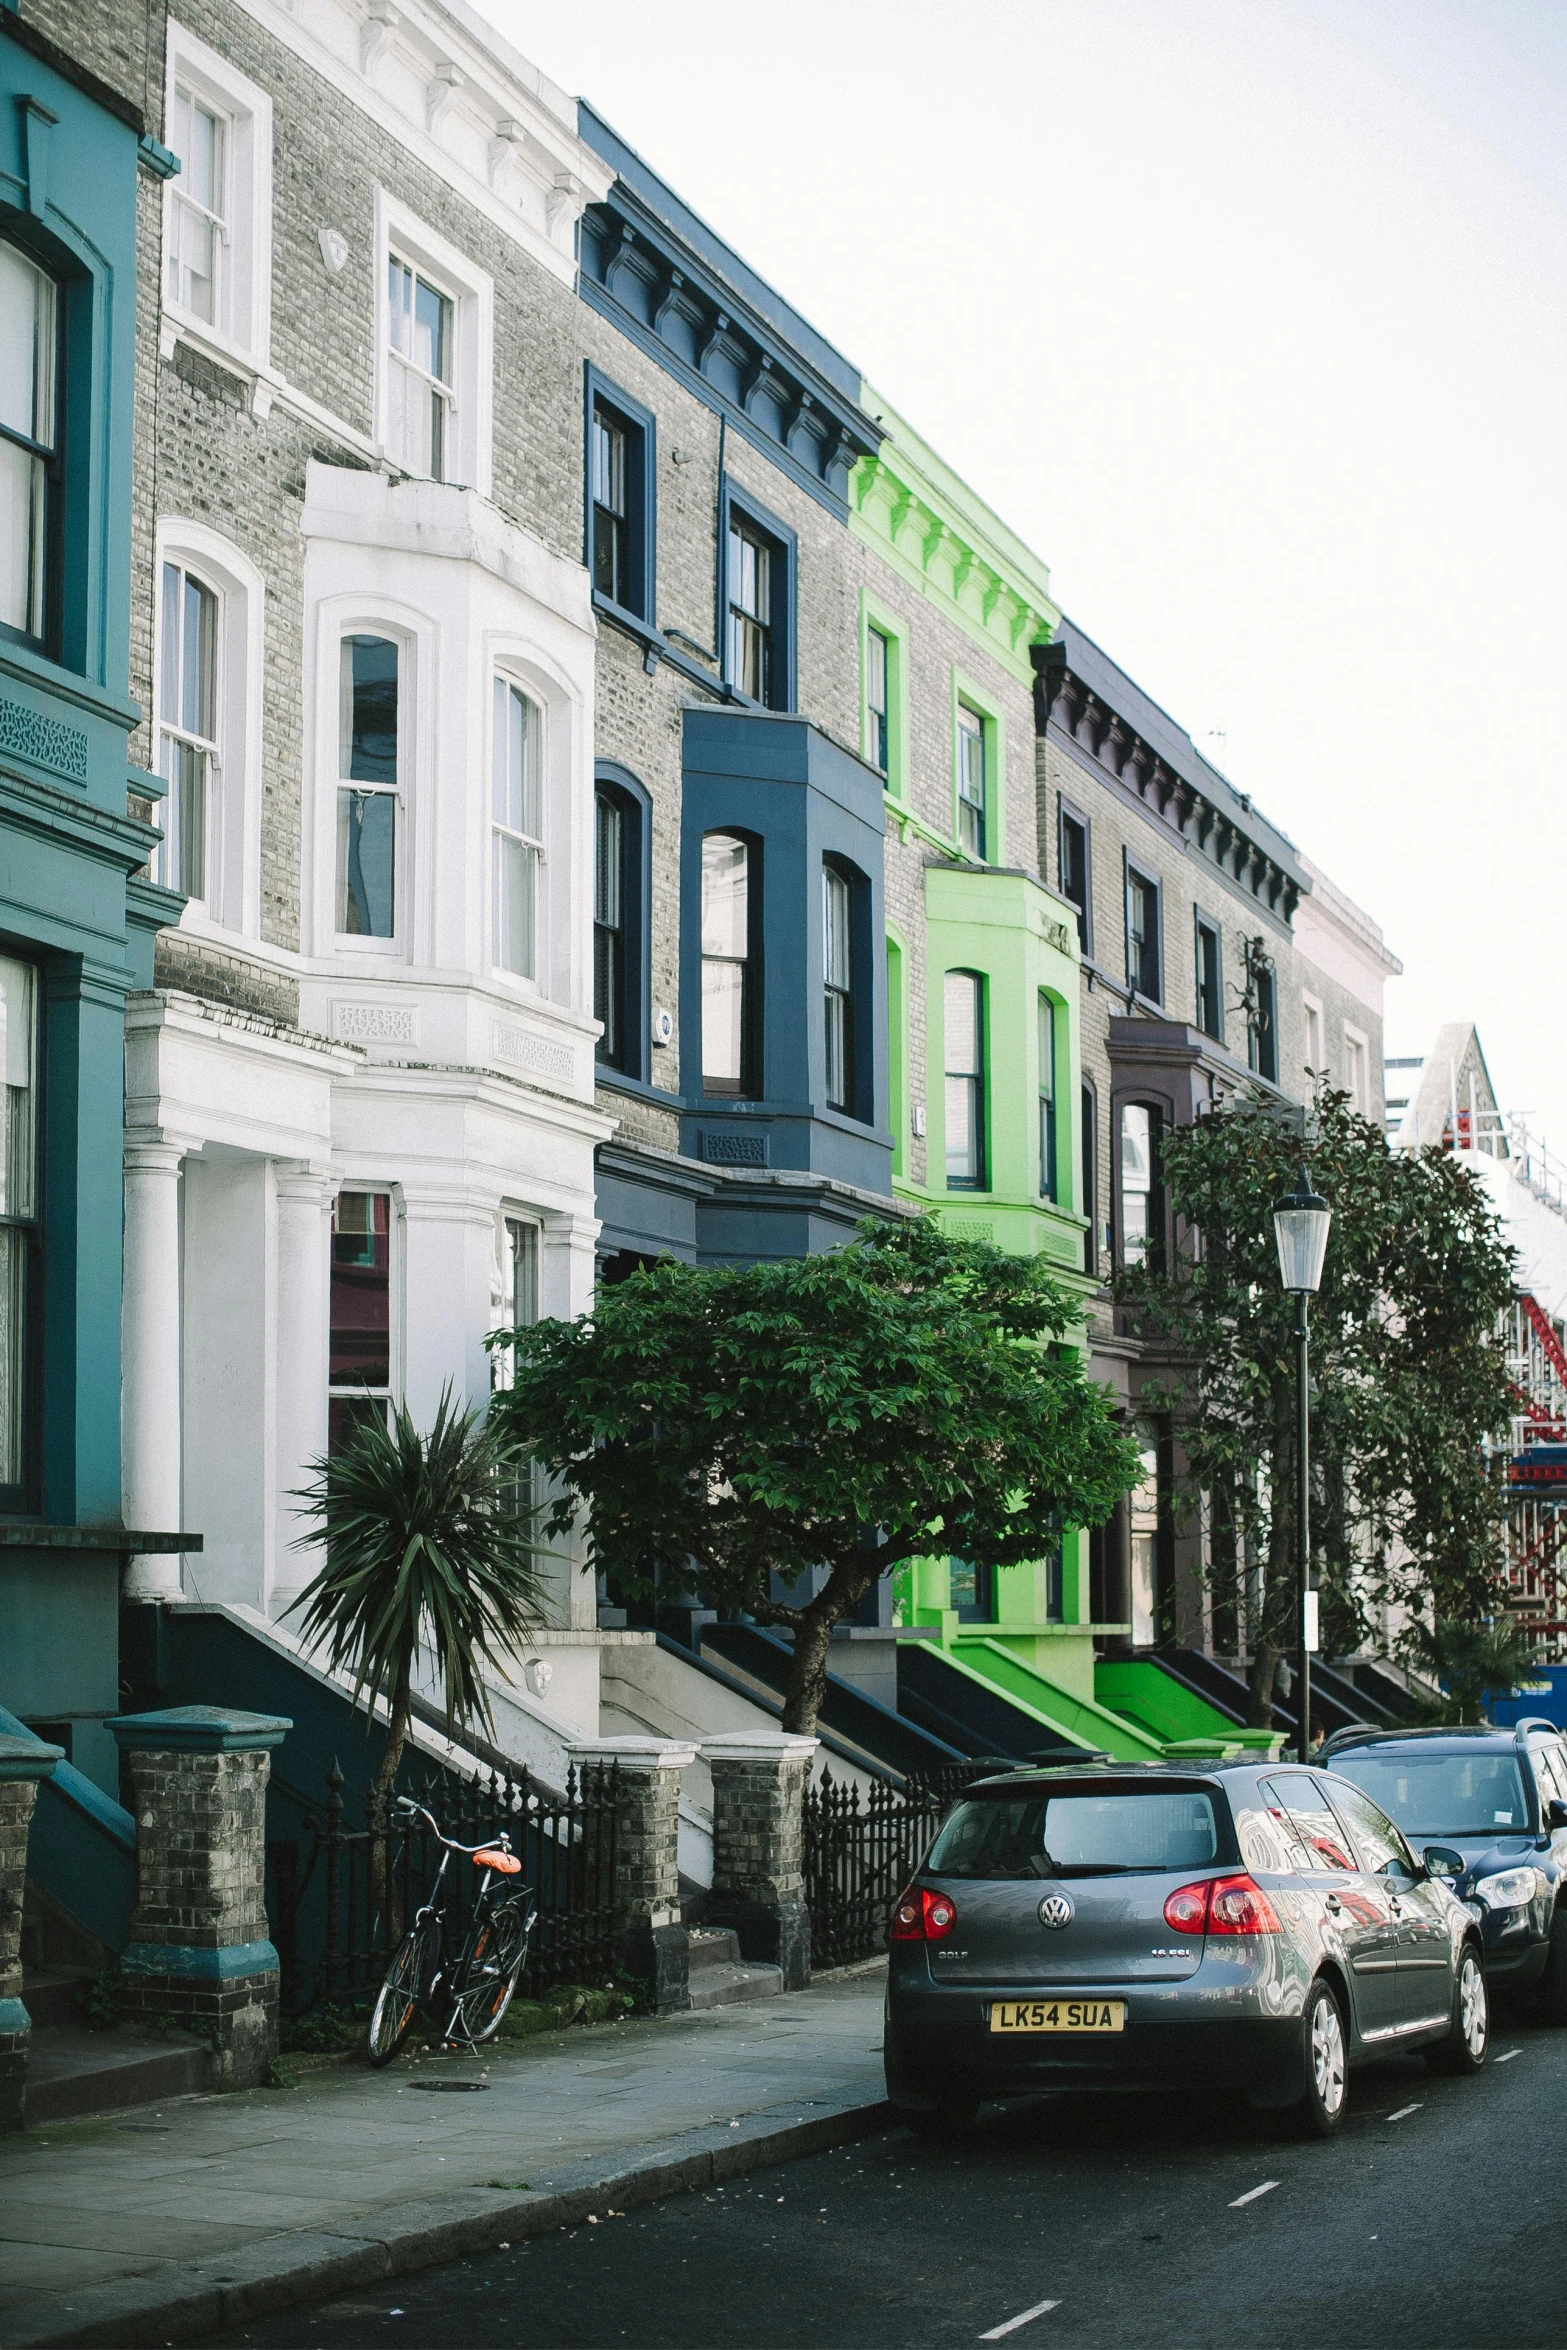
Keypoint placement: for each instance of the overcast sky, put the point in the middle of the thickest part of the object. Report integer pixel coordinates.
(1249, 315)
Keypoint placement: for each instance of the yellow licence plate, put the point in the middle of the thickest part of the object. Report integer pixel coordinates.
(1058, 2015)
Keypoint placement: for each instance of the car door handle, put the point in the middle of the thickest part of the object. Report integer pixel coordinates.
(1333, 1901)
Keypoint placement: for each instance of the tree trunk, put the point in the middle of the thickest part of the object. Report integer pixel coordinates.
(807, 1683)
(383, 1880)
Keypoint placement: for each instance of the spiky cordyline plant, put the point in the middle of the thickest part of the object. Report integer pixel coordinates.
(426, 1547)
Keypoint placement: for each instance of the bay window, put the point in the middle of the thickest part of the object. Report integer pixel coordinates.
(963, 1001)
(837, 1004)
(728, 977)
(360, 1312)
(516, 830)
(368, 788)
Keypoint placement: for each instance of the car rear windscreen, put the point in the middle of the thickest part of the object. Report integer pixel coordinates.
(1442, 1794)
(1040, 1834)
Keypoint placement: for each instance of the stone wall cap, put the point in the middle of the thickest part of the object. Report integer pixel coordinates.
(199, 1729)
(675, 1753)
(759, 1746)
(27, 1758)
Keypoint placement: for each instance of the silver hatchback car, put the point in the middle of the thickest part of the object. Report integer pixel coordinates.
(1261, 1926)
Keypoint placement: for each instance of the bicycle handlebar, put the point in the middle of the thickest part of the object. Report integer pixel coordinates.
(406, 1805)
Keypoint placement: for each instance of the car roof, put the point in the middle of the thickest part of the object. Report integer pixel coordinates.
(1454, 1736)
(1189, 1774)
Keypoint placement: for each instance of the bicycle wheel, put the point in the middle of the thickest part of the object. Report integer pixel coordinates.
(487, 1975)
(397, 2001)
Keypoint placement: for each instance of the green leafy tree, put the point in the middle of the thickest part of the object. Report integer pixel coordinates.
(1409, 1377)
(839, 1413)
(426, 1548)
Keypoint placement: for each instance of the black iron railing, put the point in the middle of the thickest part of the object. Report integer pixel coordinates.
(860, 1851)
(341, 1895)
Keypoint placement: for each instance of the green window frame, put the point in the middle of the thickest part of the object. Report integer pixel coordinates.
(978, 769)
(884, 722)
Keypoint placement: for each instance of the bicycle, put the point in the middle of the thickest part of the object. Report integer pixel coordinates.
(478, 1985)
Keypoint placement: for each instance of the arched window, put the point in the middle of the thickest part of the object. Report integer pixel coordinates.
(29, 444)
(837, 989)
(963, 1006)
(188, 746)
(369, 787)
(729, 965)
(516, 830)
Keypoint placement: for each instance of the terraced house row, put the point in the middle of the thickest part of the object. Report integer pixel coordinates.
(542, 766)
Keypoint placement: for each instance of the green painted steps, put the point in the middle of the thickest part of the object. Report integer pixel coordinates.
(1075, 1721)
(1146, 1692)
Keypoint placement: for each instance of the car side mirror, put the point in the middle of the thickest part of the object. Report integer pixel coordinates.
(1556, 1812)
(1442, 1861)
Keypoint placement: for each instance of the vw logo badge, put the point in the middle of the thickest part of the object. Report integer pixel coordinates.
(1055, 1910)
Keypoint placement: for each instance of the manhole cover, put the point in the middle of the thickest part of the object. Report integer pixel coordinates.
(434, 2085)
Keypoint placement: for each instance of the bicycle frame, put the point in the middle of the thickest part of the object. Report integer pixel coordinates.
(432, 1915)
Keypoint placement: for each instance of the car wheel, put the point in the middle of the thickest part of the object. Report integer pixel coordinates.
(1469, 2035)
(1320, 2111)
(1550, 1997)
(945, 2120)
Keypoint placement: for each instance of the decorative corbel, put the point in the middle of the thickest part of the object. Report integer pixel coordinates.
(758, 376)
(669, 300)
(801, 406)
(505, 140)
(618, 252)
(717, 328)
(567, 194)
(444, 85)
(375, 35)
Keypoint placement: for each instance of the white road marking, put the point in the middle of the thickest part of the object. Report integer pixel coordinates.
(1266, 2188)
(1508, 2058)
(1404, 2113)
(999, 2333)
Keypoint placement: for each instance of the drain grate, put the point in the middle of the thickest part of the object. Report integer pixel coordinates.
(437, 2085)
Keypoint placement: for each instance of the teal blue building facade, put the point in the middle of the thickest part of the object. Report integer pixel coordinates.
(77, 915)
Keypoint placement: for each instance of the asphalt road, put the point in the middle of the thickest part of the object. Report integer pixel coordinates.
(1437, 2218)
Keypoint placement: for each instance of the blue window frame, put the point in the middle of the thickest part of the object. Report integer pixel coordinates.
(757, 557)
(620, 498)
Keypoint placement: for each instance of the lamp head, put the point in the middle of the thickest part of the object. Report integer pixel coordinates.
(1300, 1229)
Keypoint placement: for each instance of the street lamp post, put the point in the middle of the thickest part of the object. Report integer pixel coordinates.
(1300, 1230)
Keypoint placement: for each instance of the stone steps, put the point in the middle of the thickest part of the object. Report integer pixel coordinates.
(53, 1994)
(718, 1976)
(71, 2071)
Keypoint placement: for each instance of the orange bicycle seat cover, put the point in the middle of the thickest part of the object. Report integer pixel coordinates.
(506, 1862)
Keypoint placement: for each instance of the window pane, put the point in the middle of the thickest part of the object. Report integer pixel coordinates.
(23, 510)
(432, 332)
(198, 640)
(609, 464)
(962, 1122)
(723, 1026)
(1047, 1098)
(1137, 1146)
(201, 154)
(725, 896)
(837, 1027)
(366, 864)
(169, 672)
(515, 873)
(187, 770)
(18, 1154)
(27, 347)
(607, 864)
(361, 1291)
(835, 928)
(368, 748)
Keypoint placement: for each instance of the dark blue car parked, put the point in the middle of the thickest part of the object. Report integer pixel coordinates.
(1500, 1798)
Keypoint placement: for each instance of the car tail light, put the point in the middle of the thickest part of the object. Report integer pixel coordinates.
(923, 1916)
(1221, 1905)
(1187, 1909)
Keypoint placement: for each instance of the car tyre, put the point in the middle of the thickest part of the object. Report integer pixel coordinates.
(1549, 2005)
(1321, 2109)
(1469, 2034)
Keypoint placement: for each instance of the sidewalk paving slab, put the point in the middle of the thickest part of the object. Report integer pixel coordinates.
(177, 2221)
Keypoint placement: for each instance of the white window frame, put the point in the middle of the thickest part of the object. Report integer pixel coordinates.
(396, 1263)
(1356, 1041)
(1313, 1058)
(233, 903)
(400, 234)
(400, 793)
(243, 328)
(563, 928)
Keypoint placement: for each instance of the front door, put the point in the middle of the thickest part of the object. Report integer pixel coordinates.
(1356, 1906)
